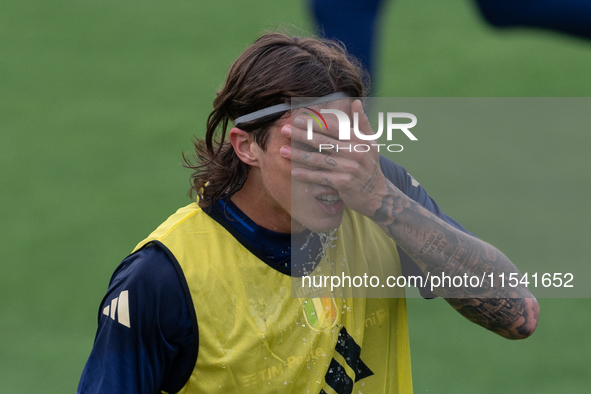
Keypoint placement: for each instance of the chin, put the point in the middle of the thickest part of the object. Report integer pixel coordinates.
(318, 225)
(317, 216)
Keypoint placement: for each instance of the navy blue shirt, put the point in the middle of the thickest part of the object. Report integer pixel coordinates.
(146, 339)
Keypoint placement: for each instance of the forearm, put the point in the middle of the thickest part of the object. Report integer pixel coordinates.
(434, 245)
(439, 248)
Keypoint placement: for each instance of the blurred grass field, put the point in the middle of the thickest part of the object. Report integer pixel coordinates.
(99, 99)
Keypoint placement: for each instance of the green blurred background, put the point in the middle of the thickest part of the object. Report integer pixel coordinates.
(98, 99)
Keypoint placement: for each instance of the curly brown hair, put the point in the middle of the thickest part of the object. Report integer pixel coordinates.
(269, 72)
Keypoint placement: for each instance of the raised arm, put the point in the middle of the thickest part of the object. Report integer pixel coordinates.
(434, 245)
(437, 248)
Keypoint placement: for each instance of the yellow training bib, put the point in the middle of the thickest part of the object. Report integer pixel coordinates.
(254, 338)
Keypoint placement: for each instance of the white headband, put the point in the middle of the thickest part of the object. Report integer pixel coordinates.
(275, 109)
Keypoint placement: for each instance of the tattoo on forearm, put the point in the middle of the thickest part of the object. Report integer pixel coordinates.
(509, 317)
(437, 248)
(434, 244)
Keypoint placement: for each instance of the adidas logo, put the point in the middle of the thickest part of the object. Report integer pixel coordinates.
(119, 305)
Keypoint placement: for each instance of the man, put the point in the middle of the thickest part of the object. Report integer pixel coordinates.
(204, 304)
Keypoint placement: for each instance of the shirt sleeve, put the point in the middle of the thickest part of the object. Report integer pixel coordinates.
(144, 340)
(412, 188)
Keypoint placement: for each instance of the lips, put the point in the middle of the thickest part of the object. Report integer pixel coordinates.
(324, 191)
(328, 198)
(331, 204)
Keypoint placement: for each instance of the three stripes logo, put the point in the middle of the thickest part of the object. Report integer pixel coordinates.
(119, 306)
(336, 376)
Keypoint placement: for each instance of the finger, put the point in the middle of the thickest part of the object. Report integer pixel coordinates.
(318, 177)
(320, 142)
(319, 126)
(335, 119)
(320, 123)
(311, 159)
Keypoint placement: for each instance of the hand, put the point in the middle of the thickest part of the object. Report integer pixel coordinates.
(357, 176)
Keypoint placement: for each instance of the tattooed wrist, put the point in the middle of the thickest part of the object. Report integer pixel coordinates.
(371, 183)
(438, 248)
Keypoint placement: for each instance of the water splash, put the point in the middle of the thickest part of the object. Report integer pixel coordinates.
(317, 252)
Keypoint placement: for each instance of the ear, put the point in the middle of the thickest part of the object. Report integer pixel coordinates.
(244, 146)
